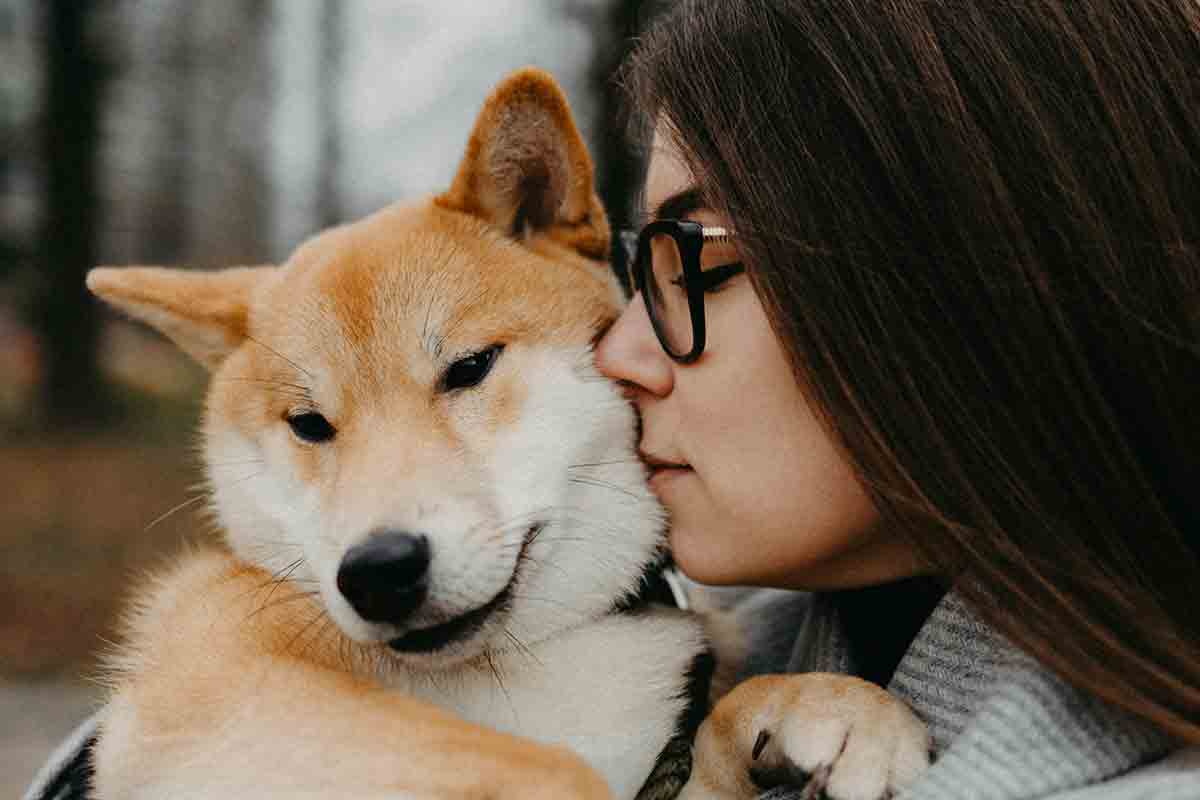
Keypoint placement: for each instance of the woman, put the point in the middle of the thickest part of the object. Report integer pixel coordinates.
(933, 351)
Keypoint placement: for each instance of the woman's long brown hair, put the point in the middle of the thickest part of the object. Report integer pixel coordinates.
(976, 228)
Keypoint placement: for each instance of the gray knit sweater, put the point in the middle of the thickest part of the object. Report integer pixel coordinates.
(1003, 727)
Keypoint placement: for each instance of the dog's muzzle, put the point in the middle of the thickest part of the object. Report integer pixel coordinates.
(428, 640)
(386, 578)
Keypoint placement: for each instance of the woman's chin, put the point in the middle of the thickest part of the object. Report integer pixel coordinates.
(713, 558)
(702, 564)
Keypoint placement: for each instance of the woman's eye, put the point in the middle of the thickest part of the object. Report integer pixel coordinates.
(470, 371)
(311, 427)
(717, 278)
(714, 279)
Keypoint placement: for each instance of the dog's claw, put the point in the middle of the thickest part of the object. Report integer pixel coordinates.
(817, 782)
(760, 743)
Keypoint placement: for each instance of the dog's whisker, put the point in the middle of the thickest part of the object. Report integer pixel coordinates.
(559, 514)
(270, 349)
(310, 634)
(522, 647)
(291, 394)
(546, 600)
(613, 463)
(580, 529)
(282, 601)
(548, 539)
(326, 624)
(591, 522)
(274, 579)
(489, 659)
(279, 542)
(283, 572)
(282, 575)
(277, 578)
(307, 627)
(544, 563)
(191, 501)
(434, 680)
(537, 534)
(224, 464)
(599, 484)
(300, 388)
(515, 523)
(209, 489)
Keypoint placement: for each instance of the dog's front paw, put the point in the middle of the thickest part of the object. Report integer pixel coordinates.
(833, 735)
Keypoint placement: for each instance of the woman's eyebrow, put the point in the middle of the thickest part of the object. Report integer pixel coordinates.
(676, 206)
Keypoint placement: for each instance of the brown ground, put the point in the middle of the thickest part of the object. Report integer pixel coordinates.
(73, 532)
(75, 524)
(74, 536)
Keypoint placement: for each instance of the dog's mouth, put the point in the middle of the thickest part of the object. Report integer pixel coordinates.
(432, 639)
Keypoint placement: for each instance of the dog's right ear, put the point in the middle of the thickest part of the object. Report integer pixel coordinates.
(527, 170)
(206, 313)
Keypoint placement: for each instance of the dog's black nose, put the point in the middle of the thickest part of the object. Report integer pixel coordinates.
(384, 578)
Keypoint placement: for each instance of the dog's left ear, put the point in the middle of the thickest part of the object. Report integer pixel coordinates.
(527, 170)
(206, 313)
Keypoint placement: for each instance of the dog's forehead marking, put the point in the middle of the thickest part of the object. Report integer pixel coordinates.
(414, 283)
(374, 312)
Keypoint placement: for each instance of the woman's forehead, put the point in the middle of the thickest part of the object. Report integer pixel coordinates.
(671, 190)
(666, 173)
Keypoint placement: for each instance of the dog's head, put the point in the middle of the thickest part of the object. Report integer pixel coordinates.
(406, 413)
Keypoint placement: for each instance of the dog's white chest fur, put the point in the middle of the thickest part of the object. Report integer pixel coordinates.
(613, 690)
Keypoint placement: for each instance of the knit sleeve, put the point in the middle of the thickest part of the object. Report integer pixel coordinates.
(782, 793)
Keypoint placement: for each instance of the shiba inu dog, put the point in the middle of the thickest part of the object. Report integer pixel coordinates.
(436, 521)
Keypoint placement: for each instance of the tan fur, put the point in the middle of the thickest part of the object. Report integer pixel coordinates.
(234, 677)
(230, 656)
(222, 646)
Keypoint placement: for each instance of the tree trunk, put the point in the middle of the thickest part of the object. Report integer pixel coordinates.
(618, 167)
(229, 193)
(165, 223)
(63, 313)
(329, 199)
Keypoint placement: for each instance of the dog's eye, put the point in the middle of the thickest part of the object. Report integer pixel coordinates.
(470, 371)
(311, 427)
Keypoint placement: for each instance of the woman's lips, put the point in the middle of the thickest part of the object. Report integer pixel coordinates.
(661, 466)
(663, 477)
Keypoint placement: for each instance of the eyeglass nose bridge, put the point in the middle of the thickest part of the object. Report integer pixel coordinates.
(627, 241)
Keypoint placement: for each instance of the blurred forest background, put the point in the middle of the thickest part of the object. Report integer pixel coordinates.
(199, 134)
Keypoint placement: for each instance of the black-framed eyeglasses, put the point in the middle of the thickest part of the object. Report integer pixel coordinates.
(665, 268)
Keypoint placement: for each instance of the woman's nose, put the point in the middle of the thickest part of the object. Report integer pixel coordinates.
(630, 352)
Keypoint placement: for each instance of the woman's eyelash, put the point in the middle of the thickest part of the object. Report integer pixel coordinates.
(714, 279)
(711, 289)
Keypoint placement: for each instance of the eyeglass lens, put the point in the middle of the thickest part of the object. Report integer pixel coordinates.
(665, 289)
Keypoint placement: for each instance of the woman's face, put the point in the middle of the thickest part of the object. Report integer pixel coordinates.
(757, 492)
